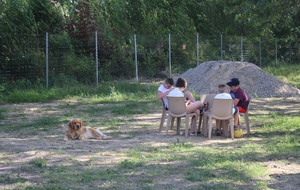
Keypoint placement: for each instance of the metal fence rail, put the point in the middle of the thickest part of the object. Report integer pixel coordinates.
(56, 59)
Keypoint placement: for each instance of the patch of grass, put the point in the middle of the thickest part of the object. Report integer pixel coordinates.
(4, 158)
(38, 163)
(2, 113)
(10, 179)
(181, 145)
(94, 111)
(225, 167)
(282, 125)
(164, 154)
(289, 73)
(41, 124)
(71, 176)
(134, 107)
(104, 93)
(130, 164)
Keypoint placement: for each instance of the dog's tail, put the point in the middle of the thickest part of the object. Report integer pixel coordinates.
(101, 133)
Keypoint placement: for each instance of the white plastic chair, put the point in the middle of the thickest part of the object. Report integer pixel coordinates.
(222, 110)
(205, 98)
(177, 109)
(163, 118)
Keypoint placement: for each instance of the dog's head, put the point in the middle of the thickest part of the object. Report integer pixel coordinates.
(75, 124)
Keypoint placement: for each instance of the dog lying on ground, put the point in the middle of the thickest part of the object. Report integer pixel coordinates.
(76, 131)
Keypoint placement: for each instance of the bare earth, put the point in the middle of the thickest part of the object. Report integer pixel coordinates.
(19, 147)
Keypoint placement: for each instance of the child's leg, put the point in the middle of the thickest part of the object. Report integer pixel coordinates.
(193, 125)
(236, 118)
(193, 107)
(189, 96)
(218, 123)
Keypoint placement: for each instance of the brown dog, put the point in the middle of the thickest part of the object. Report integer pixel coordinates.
(76, 131)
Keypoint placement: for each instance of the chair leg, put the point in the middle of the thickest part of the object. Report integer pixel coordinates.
(187, 121)
(246, 119)
(162, 120)
(209, 127)
(168, 124)
(226, 128)
(178, 124)
(196, 130)
(231, 128)
(223, 123)
(200, 121)
(172, 123)
(205, 125)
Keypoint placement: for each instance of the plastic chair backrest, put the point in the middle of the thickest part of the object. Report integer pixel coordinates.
(176, 105)
(208, 98)
(222, 107)
(248, 102)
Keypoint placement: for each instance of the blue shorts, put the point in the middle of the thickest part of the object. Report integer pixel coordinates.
(234, 109)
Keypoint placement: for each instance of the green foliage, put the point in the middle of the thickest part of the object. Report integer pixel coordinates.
(72, 24)
(288, 73)
(48, 16)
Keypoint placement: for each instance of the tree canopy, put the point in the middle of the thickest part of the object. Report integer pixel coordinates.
(72, 25)
(208, 17)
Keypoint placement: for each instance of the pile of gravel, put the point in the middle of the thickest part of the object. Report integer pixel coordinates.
(205, 78)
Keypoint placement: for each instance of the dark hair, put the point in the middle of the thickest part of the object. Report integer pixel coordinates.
(169, 81)
(221, 86)
(233, 82)
(181, 82)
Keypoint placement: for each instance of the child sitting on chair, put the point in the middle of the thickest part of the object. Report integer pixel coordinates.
(223, 95)
(164, 90)
(221, 88)
(191, 104)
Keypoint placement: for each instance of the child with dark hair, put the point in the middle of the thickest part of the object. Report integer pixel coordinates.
(164, 90)
(241, 100)
(192, 106)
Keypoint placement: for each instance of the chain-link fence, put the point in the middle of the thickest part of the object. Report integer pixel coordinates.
(55, 59)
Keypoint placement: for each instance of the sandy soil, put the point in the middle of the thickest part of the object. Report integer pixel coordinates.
(17, 150)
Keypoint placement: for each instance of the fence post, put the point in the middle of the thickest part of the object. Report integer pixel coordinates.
(242, 57)
(276, 51)
(96, 53)
(170, 55)
(197, 48)
(221, 48)
(47, 63)
(135, 59)
(290, 51)
(260, 52)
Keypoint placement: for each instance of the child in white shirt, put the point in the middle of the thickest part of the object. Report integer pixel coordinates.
(164, 90)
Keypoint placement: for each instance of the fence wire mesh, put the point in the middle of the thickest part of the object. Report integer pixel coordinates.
(73, 56)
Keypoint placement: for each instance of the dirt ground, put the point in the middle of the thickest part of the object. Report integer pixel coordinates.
(19, 147)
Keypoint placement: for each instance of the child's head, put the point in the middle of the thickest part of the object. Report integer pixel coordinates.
(221, 88)
(234, 84)
(181, 83)
(169, 83)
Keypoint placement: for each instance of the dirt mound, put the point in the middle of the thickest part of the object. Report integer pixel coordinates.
(205, 78)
